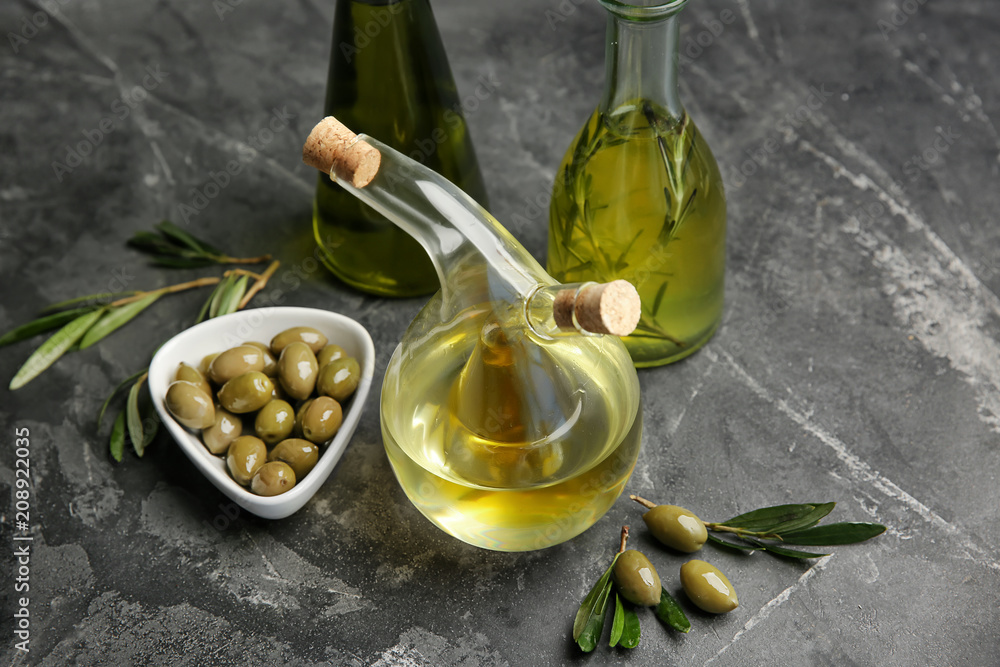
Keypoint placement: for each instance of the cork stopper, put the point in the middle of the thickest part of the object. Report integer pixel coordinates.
(334, 149)
(605, 308)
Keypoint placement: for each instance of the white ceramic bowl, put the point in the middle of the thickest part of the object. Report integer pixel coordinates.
(261, 324)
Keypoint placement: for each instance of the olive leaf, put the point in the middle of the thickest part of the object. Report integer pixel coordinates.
(43, 324)
(732, 545)
(834, 533)
(172, 246)
(115, 318)
(806, 520)
(133, 420)
(229, 301)
(114, 392)
(618, 623)
(53, 348)
(670, 612)
(91, 300)
(782, 551)
(118, 438)
(630, 631)
(589, 622)
(767, 518)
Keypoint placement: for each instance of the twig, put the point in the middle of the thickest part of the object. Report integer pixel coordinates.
(179, 287)
(259, 284)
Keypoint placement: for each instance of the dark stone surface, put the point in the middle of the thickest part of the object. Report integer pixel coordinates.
(858, 360)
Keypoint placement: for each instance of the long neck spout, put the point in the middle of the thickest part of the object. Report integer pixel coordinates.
(475, 257)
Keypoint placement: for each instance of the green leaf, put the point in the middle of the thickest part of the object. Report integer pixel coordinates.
(117, 441)
(229, 302)
(621, 264)
(671, 613)
(203, 313)
(149, 417)
(222, 288)
(114, 392)
(618, 622)
(782, 551)
(766, 518)
(589, 622)
(834, 533)
(53, 348)
(153, 243)
(731, 545)
(42, 324)
(96, 299)
(658, 301)
(805, 521)
(115, 318)
(134, 420)
(174, 232)
(630, 633)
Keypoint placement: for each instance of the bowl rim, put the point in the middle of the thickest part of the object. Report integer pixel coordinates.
(229, 331)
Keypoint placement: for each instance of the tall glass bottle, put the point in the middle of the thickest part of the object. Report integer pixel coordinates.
(639, 196)
(389, 76)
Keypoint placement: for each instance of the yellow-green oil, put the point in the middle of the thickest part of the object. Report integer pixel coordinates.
(639, 196)
(389, 78)
(511, 448)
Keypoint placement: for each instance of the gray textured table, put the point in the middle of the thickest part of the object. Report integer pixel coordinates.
(858, 360)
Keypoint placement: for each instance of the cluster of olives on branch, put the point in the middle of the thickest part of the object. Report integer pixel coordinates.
(706, 586)
(257, 385)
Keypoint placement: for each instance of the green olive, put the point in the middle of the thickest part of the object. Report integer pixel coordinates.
(220, 435)
(246, 456)
(270, 362)
(188, 373)
(339, 378)
(246, 393)
(273, 479)
(637, 579)
(235, 361)
(297, 370)
(206, 361)
(274, 422)
(320, 421)
(190, 405)
(707, 587)
(676, 527)
(278, 392)
(300, 454)
(330, 353)
(311, 337)
(299, 412)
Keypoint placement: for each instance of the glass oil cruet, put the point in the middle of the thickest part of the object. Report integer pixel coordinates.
(389, 76)
(639, 196)
(509, 415)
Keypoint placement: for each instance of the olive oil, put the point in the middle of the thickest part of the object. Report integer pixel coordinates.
(639, 196)
(389, 77)
(511, 446)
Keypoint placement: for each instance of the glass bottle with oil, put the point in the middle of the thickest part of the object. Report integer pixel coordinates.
(389, 76)
(639, 196)
(508, 421)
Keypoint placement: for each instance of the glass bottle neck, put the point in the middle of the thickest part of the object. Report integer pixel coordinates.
(641, 55)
